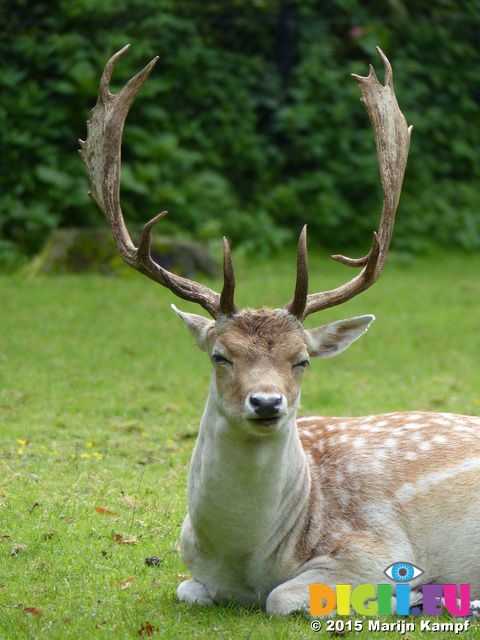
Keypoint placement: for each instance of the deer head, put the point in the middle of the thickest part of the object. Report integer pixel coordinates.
(259, 358)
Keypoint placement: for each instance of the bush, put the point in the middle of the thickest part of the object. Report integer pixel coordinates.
(249, 126)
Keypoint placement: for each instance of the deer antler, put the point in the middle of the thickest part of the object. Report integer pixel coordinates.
(392, 136)
(101, 155)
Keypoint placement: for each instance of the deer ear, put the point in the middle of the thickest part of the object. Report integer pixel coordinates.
(333, 338)
(197, 325)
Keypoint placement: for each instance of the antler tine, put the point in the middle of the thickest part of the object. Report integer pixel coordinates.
(227, 303)
(101, 155)
(297, 306)
(392, 137)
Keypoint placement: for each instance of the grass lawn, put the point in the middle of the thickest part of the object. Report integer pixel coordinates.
(101, 393)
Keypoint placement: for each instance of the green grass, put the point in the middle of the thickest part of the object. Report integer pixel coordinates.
(101, 393)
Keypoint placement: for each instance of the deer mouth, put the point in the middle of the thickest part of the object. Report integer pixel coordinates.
(263, 427)
(266, 422)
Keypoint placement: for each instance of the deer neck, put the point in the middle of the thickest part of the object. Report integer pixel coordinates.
(245, 483)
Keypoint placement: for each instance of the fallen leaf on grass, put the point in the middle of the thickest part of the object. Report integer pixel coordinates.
(105, 512)
(119, 539)
(34, 611)
(3, 538)
(147, 630)
(48, 535)
(20, 548)
(124, 584)
(182, 576)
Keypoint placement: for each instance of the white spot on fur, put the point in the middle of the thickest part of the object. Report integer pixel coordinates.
(367, 420)
(444, 422)
(460, 429)
(410, 425)
(375, 430)
(391, 443)
(406, 492)
(376, 465)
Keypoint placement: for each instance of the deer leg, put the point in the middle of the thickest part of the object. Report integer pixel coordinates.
(292, 595)
(194, 592)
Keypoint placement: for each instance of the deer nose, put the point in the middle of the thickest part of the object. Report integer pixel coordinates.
(266, 405)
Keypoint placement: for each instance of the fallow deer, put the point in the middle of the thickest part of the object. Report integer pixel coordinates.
(276, 502)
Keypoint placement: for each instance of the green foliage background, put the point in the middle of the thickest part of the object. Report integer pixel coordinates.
(250, 125)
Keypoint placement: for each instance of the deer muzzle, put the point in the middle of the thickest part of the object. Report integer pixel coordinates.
(265, 404)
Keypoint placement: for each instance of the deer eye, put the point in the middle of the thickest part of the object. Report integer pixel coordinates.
(302, 365)
(219, 360)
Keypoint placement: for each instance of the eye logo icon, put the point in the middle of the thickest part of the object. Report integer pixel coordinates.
(402, 572)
